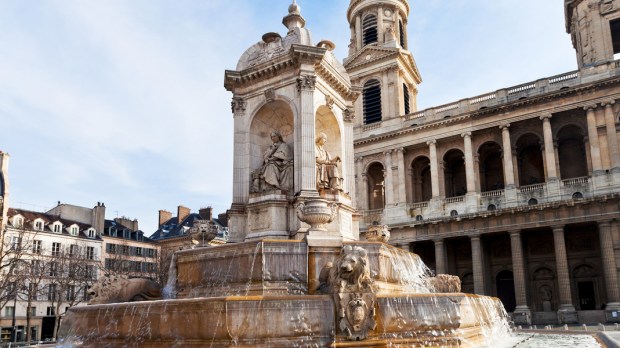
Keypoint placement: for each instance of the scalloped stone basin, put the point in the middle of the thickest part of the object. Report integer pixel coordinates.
(278, 321)
(272, 302)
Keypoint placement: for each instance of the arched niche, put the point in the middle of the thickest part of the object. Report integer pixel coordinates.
(275, 115)
(326, 122)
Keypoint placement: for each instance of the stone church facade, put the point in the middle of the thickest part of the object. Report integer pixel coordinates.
(516, 191)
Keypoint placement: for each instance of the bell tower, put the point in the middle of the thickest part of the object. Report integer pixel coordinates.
(379, 61)
(594, 26)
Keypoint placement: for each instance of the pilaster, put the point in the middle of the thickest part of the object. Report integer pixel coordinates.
(595, 150)
(522, 314)
(566, 312)
(610, 272)
(305, 132)
(389, 187)
(477, 264)
(612, 136)
(402, 186)
(510, 191)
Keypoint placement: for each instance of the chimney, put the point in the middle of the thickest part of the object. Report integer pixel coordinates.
(223, 217)
(182, 213)
(206, 213)
(164, 216)
(128, 223)
(99, 217)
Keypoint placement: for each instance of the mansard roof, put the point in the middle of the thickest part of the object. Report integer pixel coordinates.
(31, 216)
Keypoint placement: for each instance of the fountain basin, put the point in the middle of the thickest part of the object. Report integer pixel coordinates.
(278, 321)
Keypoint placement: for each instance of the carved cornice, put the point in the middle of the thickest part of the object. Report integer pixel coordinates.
(355, 3)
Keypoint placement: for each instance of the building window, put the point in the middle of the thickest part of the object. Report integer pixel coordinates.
(53, 269)
(57, 228)
(16, 242)
(11, 291)
(9, 311)
(614, 26)
(401, 29)
(70, 293)
(91, 233)
(151, 253)
(51, 311)
(36, 246)
(372, 102)
(18, 221)
(138, 251)
(406, 99)
(90, 253)
(55, 249)
(32, 291)
(369, 26)
(127, 234)
(73, 250)
(51, 293)
(33, 311)
(113, 232)
(74, 230)
(38, 225)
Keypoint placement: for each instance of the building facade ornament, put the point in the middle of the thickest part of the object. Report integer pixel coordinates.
(329, 102)
(349, 115)
(270, 94)
(238, 105)
(306, 83)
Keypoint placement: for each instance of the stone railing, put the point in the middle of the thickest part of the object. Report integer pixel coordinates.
(371, 216)
(457, 199)
(532, 188)
(576, 181)
(492, 194)
(418, 205)
(372, 126)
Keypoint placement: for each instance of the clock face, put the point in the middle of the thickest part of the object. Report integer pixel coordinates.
(387, 12)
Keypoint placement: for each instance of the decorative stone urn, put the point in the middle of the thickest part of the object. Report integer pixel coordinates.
(317, 213)
(378, 233)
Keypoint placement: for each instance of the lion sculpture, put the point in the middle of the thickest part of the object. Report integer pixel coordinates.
(348, 273)
(444, 283)
(117, 289)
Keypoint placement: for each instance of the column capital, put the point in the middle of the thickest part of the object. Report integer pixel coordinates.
(238, 105)
(466, 135)
(348, 115)
(475, 237)
(605, 223)
(400, 150)
(516, 233)
(504, 126)
(438, 240)
(608, 103)
(557, 228)
(387, 152)
(546, 116)
(306, 83)
(431, 142)
(589, 107)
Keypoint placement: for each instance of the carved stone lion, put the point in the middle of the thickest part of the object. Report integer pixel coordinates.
(116, 289)
(444, 283)
(348, 280)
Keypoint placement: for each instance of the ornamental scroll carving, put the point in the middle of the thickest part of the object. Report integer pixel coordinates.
(306, 83)
(349, 115)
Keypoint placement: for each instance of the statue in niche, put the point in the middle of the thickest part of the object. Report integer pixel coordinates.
(277, 169)
(327, 174)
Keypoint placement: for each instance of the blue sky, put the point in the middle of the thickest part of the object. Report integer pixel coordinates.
(122, 101)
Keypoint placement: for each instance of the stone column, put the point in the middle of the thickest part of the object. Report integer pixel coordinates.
(402, 185)
(358, 32)
(595, 150)
(389, 187)
(549, 149)
(307, 170)
(440, 257)
(432, 147)
(241, 175)
(477, 260)
(362, 188)
(469, 163)
(566, 312)
(509, 176)
(522, 312)
(612, 136)
(611, 272)
(380, 29)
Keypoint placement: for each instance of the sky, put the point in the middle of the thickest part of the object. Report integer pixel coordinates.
(122, 101)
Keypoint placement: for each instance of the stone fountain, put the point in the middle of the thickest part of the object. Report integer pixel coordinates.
(295, 273)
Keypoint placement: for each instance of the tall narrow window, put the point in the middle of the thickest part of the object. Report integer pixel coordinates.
(406, 99)
(370, 29)
(372, 102)
(614, 27)
(401, 30)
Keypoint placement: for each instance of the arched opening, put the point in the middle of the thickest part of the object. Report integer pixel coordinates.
(376, 191)
(401, 31)
(530, 160)
(491, 167)
(406, 99)
(467, 283)
(572, 152)
(369, 27)
(421, 170)
(544, 280)
(327, 124)
(274, 116)
(454, 173)
(505, 283)
(372, 102)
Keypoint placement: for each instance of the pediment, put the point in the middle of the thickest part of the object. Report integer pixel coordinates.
(371, 54)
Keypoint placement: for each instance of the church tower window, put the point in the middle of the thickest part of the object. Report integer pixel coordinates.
(401, 30)
(406, 99)
(372, 102)
(370, 29)
(614, 26)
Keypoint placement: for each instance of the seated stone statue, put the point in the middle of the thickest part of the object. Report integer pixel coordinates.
(277, 169)
(327, 174)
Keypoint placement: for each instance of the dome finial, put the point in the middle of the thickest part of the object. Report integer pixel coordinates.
(294, 8)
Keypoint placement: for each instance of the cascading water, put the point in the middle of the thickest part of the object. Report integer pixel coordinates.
(169, 291)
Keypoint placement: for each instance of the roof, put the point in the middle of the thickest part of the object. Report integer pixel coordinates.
(31, 216)
(172, 228)
(111, 224)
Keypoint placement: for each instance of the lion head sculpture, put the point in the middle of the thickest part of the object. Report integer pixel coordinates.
(348, 273)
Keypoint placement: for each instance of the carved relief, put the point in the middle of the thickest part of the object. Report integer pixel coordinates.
(329, 101)
(378, 233)
(270, 95)
(306, 83)
(203, 231)
(444, 283)
(348, 280)
(117, 289)
(349, 115)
